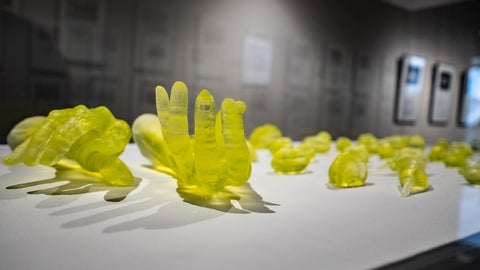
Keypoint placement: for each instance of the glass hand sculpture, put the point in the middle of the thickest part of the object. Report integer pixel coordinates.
(217, 157)
(92, 138)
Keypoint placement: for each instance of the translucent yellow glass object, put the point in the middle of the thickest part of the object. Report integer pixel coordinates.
(342, 143)
(93, 138)
(471, 172)
(457, 154)
(416, 141)
(370, 142)
(279, 143)
(413, 179)
(405, 157)
(290, 160)
(217, 157)
(262, 136)
(321, 142)
(348, 170)
(385, 149)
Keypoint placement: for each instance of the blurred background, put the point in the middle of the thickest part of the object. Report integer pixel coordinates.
(302, 65)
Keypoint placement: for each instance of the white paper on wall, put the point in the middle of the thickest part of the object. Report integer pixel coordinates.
(257, 61)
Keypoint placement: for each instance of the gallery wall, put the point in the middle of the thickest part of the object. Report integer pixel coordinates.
(303, 65)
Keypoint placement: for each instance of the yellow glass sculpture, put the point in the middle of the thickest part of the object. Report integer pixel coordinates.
(321, 142)
(219, 155)
(416, 141)
(262, 136)
(91, 138)
(471, 172)
(457, 154)
(349, 169)
(410, 164)
(342, 143)
(370, 142)
(290, 160)
(439, 151)
(385, 149)
(413, 179)
(279, 143)
(405, 157)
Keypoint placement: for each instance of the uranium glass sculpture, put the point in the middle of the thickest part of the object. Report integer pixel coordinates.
(280, 143)
(416, 141)
(262, 136)
(457, 154)
(405, 157)
(217, 157)
(342, 143)
(413, 179)
(290, 160)
(370, 142)
(385, 149)
(437, 153)
(471, 172)
(349, 169)
(321, 142)
(90, 138)
(410, 164)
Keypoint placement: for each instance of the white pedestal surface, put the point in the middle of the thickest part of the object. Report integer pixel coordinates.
(280, 222)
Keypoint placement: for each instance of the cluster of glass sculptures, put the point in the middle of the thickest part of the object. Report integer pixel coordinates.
(218, 154)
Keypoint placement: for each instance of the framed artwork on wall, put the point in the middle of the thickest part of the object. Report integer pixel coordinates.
(469, 101)
(441, 94)
(410, 79)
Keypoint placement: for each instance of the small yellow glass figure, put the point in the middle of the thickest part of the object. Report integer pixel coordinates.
(457, 154)
(262, 136)
(385, 149)
(416, 141)
(370, 142)
(279, 143)
(405, 157)
(290, 160)
(438, 152)
(321, 142)
(471, 172)
(413, 179)
(217, 158)
(349, 169)
(410, 164)
(342, 143)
